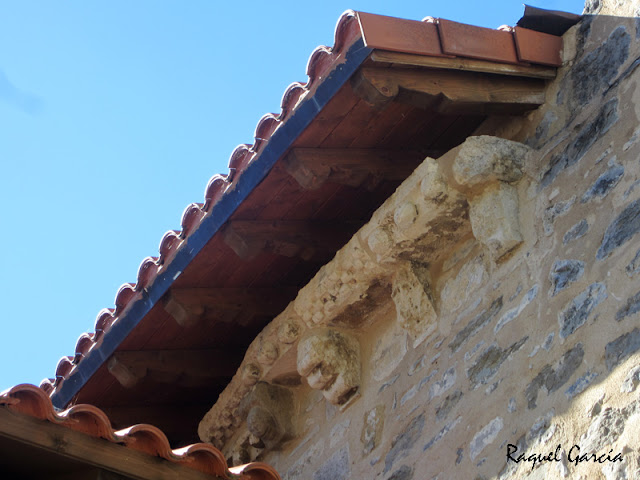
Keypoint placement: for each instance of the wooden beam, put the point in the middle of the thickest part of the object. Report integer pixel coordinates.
(91, 451)
(309, 240)
(185, 368)
(464, 64)
(312, 167)
(448, 91)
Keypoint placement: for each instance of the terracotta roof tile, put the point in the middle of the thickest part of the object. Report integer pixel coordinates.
(89, 420)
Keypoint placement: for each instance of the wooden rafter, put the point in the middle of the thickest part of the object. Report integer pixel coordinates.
(448, 91)
(312, 167)
(305, 239)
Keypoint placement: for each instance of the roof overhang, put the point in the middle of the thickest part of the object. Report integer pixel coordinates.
(388, 93)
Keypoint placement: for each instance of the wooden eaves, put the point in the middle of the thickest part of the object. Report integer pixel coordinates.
(388, 93)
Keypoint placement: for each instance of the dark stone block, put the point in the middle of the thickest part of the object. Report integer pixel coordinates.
(577, 231)
(404, 442)
(625, 226)
(403, 473)
(621, 348)
(564, 272)
(489, 362)
(596, 70)
(632, 307)
(475, 325)
(448, 404)
(579, 309)
(554, 378)
(336, 468)
(603, 185)
(584, 140)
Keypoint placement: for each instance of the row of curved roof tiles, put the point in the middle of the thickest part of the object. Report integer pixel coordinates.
(89, 420)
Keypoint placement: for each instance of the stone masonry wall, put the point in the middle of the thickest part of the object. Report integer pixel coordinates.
(508, 321)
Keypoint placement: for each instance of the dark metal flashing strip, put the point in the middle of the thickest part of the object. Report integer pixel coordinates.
(280, 141)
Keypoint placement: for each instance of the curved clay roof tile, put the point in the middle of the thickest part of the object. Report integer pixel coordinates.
(347, 28)
(83, 345)
(191, 218)
(215, 188)
(264, 129)
(125, 294)
(168, 246)
(290, 99)
(147, 272)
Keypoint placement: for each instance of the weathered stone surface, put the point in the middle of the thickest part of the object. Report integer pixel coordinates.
(485, 437)
(403, 473)
(448, 404)
(411, 293)
(404, 442)
(513, 313)
(485, 159)
(330, 361)
(581, 384)
(625, 226)
(634, 266)
(576, 312)
(372, 429)
(622, 347)
(470, 277)
(336, 468)
(299, 470)
(630, 308)
(440, 435)
(579, 230)
(604, 184)
(448, 380)
(631, 381)
(553, 378)
(338, 432)
(475, 325)
(583, 141)
(490, 361)
(494, 219)
(389, 351)
(596, 70)
(564, 272)
(605, 429)
(554, 211)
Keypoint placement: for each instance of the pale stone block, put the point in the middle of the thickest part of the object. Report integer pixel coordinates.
(494, 219)
(411, 294)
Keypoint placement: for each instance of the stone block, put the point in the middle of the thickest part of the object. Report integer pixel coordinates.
(411, 293)
(494, 219)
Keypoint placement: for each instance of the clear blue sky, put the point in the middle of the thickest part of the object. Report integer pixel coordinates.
(113, 117)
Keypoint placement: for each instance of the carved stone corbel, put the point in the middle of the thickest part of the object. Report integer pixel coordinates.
(485, 169)
(330, 361)
(268, 410)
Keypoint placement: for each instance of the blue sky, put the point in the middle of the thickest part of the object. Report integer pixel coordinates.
(113, 117)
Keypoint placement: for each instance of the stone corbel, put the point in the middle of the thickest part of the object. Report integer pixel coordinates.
(485, 169)
(268, 410)
(330, 361)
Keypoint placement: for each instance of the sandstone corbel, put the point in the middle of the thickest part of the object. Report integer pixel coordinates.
(330, 361)
(485, 169)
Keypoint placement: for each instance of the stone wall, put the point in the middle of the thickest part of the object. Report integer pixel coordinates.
(490, 307)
